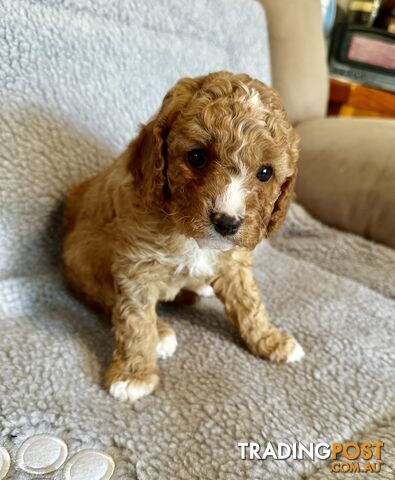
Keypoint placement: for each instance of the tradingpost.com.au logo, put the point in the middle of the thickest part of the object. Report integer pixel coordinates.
(350, 457)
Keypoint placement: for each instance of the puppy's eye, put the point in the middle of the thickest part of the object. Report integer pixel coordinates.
(197, 158)
(264, 173)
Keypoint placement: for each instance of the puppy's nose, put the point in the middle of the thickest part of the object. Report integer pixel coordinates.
(225, 224)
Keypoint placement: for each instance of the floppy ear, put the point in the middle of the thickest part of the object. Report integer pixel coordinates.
(148, 152)
(282, 132)
(287, 188)
(282, 204)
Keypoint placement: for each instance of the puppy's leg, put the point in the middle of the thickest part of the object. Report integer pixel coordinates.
(235, 286)
(133, 372)
(167, 340)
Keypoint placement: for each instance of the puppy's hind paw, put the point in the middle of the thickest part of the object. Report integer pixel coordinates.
(131, 390)
(206, 291)
(167, 345)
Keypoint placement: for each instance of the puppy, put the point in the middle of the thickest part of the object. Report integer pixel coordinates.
(209, 177)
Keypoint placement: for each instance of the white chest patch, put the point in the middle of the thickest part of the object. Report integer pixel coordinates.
(196, 261)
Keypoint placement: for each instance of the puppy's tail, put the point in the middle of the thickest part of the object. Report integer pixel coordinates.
(73, 204)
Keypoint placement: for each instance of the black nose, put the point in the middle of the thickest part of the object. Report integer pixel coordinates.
(225, 224)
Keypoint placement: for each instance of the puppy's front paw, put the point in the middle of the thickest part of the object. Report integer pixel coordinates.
(287, 349)
(297, 353)
(133, 389)
(278, 346)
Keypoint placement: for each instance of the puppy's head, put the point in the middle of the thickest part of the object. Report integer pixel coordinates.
(220, 159)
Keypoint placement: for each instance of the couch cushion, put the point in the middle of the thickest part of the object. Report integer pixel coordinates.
(347, 175)
(76, 78)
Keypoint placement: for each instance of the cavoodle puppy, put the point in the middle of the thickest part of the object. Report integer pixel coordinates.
(209, 177)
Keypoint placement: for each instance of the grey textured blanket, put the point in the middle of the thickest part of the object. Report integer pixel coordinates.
(75, 79)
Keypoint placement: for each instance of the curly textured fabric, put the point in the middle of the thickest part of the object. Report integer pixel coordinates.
(75, 80)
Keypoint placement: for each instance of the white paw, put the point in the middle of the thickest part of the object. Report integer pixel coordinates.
(296, 354)
(133, 390)
(167, 346)
(205, 291)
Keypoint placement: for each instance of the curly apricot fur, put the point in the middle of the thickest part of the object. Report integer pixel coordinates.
(132, 232)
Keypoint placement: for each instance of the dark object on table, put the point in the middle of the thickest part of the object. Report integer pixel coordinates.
(363, 55)
(363, 12)
(386, 16)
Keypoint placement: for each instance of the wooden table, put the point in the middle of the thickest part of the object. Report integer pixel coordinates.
(354, 100)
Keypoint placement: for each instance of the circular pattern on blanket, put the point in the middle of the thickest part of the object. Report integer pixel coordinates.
(5, 462)
(89, 465)
(41, 454)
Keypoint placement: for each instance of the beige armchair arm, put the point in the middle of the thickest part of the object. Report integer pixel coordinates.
(298, 55)
(347, 175)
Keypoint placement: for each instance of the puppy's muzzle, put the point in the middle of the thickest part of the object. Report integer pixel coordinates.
(225, 224)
